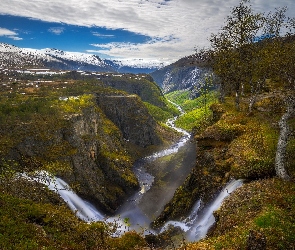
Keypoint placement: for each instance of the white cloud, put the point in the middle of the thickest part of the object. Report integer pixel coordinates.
(56, 30)
(101, 35)
(189, 22)
(165, 50)
(9, 33)
(16, 38)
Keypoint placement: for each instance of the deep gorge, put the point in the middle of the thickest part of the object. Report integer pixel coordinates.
(140, 209)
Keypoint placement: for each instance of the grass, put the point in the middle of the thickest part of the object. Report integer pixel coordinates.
(198, 114)
(29, 225)
(194, 120)
(265, 205)
(161, 114)
(178, 97)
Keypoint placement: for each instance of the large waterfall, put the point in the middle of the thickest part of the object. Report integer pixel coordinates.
(130, 216)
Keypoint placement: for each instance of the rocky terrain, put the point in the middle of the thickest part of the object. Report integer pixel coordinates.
(91, 137)
(183, 74)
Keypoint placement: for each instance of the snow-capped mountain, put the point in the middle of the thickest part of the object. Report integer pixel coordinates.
(138, 65)
(15, 57)
(12, 56)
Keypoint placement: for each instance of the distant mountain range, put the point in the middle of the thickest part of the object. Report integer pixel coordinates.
(15, 57)
(186, 73)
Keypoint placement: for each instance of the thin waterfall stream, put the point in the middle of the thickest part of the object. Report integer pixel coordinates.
(133, 210)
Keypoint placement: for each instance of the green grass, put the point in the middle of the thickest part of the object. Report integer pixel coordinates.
(198, 113)
(29, 225)
(161, 114)
(266, 207)
(196, 119)
(178, 97)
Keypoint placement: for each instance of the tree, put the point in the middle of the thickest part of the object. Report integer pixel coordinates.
(274, 22)
(231, 46)
(285, 71)
(204, 86)
(285, 132)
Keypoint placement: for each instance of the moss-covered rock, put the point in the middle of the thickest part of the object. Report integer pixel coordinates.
(26, 224)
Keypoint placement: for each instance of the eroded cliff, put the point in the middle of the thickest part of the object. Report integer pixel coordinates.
(91, 141)
(132, 117)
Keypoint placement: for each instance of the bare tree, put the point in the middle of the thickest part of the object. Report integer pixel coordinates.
(285, 132)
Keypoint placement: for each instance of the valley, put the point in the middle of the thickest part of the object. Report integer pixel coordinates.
(105, 135)
(194, 155)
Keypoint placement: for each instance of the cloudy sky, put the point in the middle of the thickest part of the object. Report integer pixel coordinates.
(162, 30)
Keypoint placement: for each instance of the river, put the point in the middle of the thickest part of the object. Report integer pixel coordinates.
(139, 210)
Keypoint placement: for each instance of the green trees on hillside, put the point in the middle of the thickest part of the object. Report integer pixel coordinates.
(232, 47)
(251, 48)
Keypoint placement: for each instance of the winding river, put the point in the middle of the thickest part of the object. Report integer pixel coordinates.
(133, 215)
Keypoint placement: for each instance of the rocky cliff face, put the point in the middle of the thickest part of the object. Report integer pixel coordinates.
(95, 144)
(183, 74)
(101, 166)
(204, 180)
(141, 85)
(132, 117)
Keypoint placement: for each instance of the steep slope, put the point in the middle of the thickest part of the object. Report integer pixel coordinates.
(141, 85)
(91, 140)
(183, 74)
(131, 117)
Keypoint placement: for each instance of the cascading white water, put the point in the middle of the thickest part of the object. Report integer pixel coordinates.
(195, 225)
(204, 221)
(84, 210)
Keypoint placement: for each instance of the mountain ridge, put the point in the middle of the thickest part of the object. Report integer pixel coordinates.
(186, 73)
(14, 57)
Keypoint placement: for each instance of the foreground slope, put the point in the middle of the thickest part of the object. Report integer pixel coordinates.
(241, 145)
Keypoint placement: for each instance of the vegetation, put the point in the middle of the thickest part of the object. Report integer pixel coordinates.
(249, 135)
(30, 225)
(160, 114)
(197, 113)
(36, 129)
(243, 64)
(259, 214)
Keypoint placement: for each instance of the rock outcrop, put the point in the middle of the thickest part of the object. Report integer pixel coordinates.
(98, 145)
(101, 166)
(131, 117)
(141, 85)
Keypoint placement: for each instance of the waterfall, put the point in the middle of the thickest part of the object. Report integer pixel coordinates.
(202, 223)
(197, 224)
(84, 210)
(129, 215)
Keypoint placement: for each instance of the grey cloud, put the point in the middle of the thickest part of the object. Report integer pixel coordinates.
(190, 22)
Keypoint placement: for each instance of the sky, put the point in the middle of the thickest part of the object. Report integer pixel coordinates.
(158, 30)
